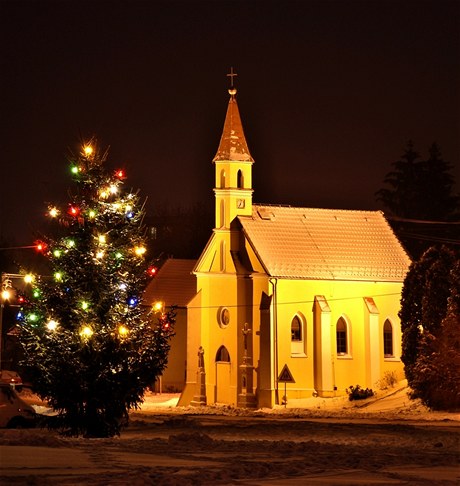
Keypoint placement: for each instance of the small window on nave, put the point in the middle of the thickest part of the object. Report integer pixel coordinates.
(388, 350)
(342, 337)
(297, 336)
(296, 329)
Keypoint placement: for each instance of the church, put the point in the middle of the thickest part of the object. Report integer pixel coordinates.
(290, 302)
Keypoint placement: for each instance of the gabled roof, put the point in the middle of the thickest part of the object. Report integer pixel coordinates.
(174, 284)
(308, 243)
(233, 144)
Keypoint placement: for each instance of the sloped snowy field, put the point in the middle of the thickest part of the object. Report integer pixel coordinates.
(387, 440)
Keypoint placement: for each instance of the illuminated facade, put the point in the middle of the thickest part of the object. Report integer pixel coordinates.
(316, 290)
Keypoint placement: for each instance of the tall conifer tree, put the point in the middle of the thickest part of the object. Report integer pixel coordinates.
(91, 350)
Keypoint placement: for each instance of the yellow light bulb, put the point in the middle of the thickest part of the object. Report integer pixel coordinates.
(140, 250)
(52, 325)
(123, 331)
(6, 294)
(88, 150)
(92, 214)
(84, 305)
(58, 276)
(29, 278)
(86, 332)
(99, 255)
(102, 239)
(53, 212)
(158, 306)
(113, 189)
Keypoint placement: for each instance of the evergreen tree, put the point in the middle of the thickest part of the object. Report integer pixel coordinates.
(403, 197)
(420, 201)
(437, 201)
(437, 370)
(90, 348)
(425, 322)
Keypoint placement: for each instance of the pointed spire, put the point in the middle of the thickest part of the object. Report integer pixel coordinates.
(233, 144)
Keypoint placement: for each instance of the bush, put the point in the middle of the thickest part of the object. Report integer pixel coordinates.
(389, 380)
(358, 393)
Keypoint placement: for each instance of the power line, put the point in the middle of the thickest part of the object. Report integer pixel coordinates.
(335, 299)
(421, 221)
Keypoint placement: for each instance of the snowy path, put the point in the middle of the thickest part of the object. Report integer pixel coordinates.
(272, 450)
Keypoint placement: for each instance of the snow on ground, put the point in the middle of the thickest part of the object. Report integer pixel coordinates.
(384, 440)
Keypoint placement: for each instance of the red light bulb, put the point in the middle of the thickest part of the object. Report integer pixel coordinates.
(40, 246)
(74, 211)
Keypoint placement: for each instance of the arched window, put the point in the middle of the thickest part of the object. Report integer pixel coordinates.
(297, 336)
(296, 329)
(341, 336)
(240, 180)
(223, 355)
(388, 339)
(222, 179)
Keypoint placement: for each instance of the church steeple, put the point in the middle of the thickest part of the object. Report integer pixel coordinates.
(233, 167)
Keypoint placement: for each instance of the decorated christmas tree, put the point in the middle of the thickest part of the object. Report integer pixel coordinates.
(91, 346)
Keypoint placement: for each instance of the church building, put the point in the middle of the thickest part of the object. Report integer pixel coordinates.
(289, 298)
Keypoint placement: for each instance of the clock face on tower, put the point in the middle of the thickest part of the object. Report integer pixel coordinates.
(240, 203)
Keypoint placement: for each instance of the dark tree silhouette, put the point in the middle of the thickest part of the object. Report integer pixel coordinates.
(420, 200)
(436, 373)
(429, 313)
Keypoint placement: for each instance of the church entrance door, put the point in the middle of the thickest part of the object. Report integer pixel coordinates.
(223, 369)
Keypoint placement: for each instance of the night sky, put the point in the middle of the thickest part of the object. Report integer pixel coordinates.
(329, 93)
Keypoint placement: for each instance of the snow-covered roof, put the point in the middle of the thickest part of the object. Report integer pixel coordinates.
(174, 283)
(309, 243)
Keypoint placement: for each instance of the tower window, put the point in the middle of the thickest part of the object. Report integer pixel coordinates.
(240, 180)
(222, 179)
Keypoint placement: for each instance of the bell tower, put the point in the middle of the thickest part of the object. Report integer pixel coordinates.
(233, 167)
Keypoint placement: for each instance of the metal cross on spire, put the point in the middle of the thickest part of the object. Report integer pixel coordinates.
(231, 75)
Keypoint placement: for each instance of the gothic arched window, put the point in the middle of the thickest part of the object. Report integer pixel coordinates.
(223, 355)
(222, 179)
(296, 329)
(342, 337)
(240, 179)
(297, 336)
(388, 339)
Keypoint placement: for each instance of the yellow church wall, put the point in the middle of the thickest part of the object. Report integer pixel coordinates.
(221, 292)
(345, 299)
(193, 343)
(173, 377)
(241, 295)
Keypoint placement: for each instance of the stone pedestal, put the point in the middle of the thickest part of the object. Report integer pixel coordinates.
(246, 399)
